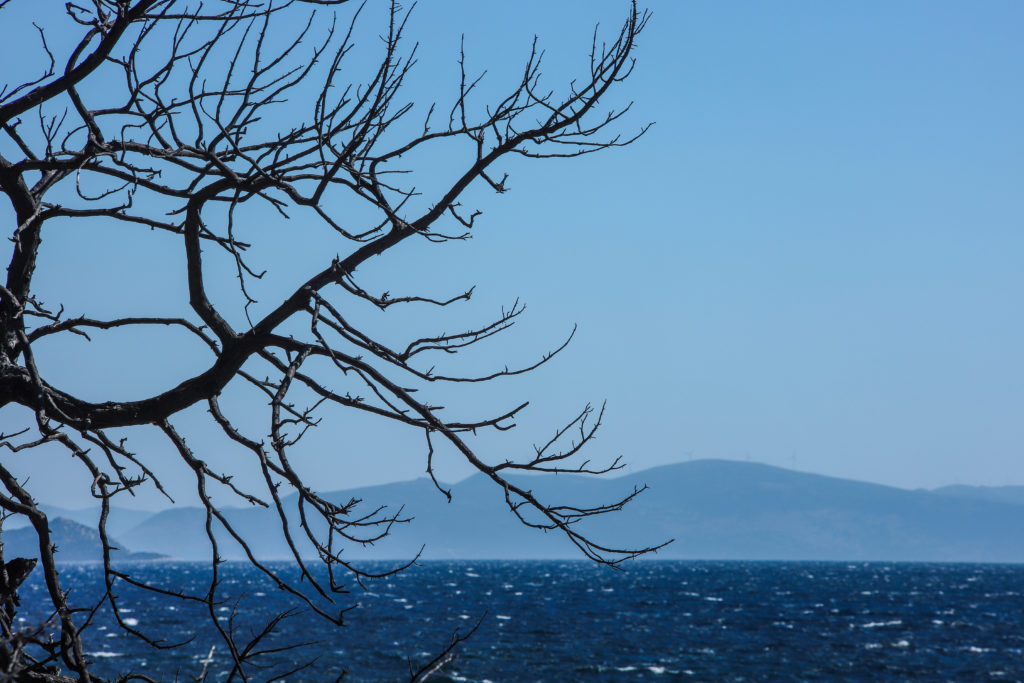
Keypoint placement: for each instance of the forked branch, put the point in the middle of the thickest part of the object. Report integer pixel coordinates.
(183, 121)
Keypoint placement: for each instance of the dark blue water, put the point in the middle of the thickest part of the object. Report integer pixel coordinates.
(567, 621)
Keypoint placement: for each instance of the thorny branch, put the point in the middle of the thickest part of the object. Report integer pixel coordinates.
(169, 116)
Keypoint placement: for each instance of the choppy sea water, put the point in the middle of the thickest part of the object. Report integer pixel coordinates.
(572, 621)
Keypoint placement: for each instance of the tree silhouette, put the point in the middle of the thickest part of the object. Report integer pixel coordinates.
(180, 119)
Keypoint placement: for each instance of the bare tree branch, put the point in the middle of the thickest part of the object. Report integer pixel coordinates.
(199, 130)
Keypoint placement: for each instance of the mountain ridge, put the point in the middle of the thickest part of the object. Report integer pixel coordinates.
(715, 509)
(73, 542)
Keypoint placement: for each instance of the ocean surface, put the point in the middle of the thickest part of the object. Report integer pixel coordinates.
(572, 621)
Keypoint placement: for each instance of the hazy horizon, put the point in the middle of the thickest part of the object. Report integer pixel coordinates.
(812, 260)
(146, 504)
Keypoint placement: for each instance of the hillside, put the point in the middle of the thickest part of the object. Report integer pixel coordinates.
(713, 509)
(1014, 495)
(74, 542)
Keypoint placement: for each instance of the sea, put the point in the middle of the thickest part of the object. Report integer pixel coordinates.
(574, 621)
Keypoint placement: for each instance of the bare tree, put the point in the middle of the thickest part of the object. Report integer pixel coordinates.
(172, 118)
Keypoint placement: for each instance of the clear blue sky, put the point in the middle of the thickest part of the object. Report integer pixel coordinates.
(814, 259)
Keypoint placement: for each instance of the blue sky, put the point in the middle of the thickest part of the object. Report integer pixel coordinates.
(814, 259)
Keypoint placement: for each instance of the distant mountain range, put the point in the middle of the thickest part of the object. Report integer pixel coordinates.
(714, 509)
(118, 521)
(74, 542)
(1014, 495)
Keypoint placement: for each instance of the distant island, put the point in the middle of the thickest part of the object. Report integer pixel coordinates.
(713, 509)
(74, 542)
